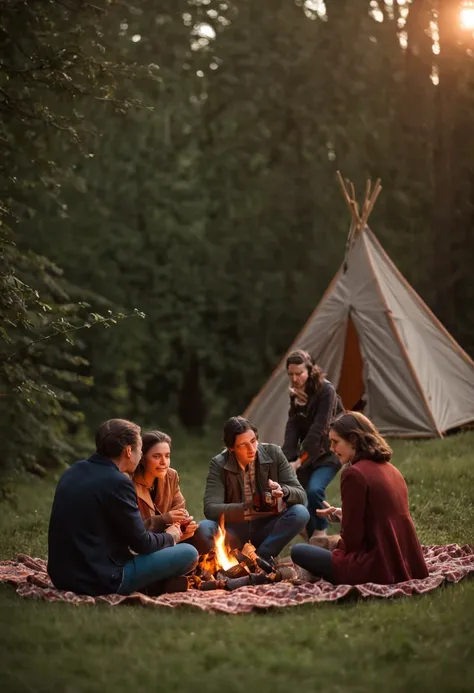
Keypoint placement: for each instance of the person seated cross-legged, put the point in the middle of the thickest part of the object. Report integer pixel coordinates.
(378, 539)
(95, 525)
(160, 500)
(253, 486)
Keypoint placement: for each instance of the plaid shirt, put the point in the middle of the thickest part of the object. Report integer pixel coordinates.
(250, 487)
(248, 475)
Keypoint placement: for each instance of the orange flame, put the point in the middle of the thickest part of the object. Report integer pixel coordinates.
(224, 559)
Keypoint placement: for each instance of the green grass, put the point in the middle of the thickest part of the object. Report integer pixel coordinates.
(418, 644)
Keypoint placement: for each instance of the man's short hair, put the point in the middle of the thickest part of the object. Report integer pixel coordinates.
(114, 435)
(234, 427)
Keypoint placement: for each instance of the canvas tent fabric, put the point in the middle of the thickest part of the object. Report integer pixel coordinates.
(371, 333)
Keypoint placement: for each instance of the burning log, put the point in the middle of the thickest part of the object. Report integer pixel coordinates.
(230, 584)
(206, 574)
(237, 571)
(222, 568)
(243, 559)
(265, 565)
(213, 585)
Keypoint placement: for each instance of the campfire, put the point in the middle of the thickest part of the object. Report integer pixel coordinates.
(225, 568)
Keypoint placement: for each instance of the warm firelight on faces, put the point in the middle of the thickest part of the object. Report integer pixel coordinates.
(342, 448)
(245, 447)
(157, 460)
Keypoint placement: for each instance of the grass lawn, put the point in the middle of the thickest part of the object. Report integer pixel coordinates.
(413, 644)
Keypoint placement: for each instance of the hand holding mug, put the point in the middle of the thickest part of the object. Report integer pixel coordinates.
(189, 530)
(178, 516)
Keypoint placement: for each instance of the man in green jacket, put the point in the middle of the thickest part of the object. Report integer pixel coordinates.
(253, 487)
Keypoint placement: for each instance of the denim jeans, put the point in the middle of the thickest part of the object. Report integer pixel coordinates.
(203, 537)
(314, 559)
(268, 534)
(146, 569)
(316, 492)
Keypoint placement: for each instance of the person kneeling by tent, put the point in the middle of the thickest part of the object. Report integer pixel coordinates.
(160, 500)
(95, 524)
(378, 539)
(253, 486)
(314, 403)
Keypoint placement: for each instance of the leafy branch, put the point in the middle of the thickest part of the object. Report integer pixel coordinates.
(64, 327)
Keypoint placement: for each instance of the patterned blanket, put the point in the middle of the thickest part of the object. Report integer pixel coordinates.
(446, 564)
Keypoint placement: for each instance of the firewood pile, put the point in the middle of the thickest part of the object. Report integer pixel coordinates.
(240, 569)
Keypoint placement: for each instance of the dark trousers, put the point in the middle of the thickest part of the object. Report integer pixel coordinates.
(268, 534)
(314, 559)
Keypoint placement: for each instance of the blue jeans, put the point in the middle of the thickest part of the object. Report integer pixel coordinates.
(316, 492)
(268, 534)
(203, 537)
(146, 569)
(314, 559)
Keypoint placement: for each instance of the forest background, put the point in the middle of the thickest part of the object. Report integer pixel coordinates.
(168, 171)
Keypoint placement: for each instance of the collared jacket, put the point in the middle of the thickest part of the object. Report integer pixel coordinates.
(307, 431)
(166, 496)
(225, 494)
(94, 523)
(378, 539)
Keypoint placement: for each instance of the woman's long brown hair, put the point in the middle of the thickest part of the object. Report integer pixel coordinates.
(150, 439)
(315, 373)
(358, 430)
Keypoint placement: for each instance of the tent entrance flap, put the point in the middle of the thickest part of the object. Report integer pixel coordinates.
(351, 381)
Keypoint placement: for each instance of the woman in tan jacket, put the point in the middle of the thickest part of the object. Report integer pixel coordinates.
(159, 496)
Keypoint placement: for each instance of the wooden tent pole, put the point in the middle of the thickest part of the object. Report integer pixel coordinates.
(366, 197)
(344, 189)
(350, 202)
(359, 215)
(368, 186)
(365, 205)
(375, 194)
(351, 185)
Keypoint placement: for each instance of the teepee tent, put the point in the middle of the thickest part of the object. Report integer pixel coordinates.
(379, 343)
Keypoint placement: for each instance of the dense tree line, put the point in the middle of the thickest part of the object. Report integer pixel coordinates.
(178, 157)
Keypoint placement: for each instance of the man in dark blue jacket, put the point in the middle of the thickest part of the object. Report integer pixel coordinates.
(95, 524)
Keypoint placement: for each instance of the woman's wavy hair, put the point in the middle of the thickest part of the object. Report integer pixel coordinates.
(358, 430)
(150, 439)
(315, 373)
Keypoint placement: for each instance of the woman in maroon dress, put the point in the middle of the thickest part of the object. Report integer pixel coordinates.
(378, 539)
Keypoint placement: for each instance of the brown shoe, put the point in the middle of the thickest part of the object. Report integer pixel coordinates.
(333, 541)
(176, 584)
(329, 542)
(321, 541)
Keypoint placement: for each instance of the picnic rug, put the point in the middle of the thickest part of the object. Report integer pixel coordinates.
(446, 564)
